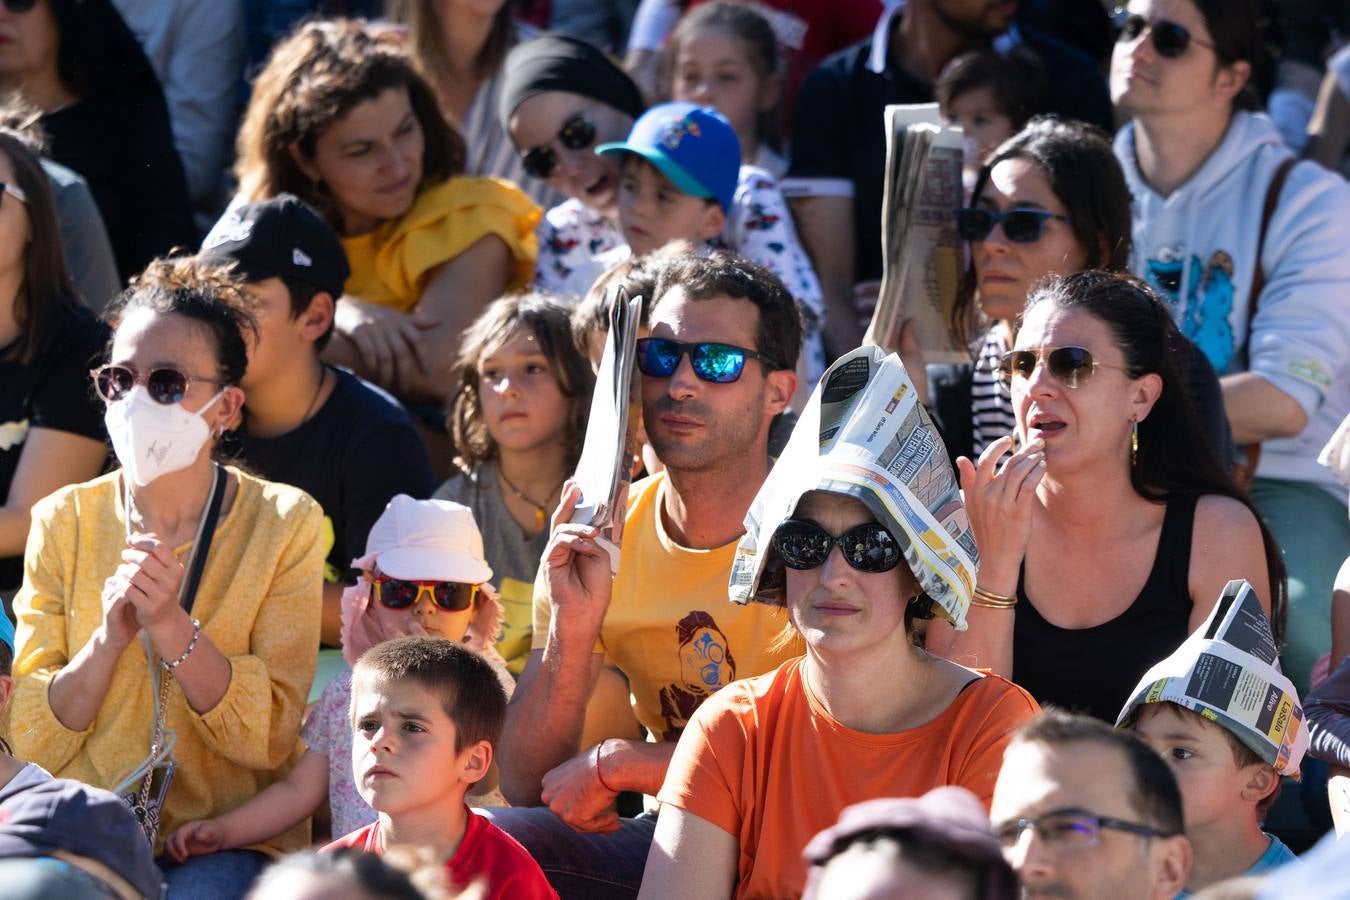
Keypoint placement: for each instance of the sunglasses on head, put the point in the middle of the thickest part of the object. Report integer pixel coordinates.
(400, 593)
(19, 6)
(805, 545)
(718, 363)
(1021, 226)
(165, 384)
(1072, 366)
(1169, 38)
(577, 133)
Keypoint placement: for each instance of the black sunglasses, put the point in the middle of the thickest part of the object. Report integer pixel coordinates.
(577, 133)
(805, 545)
(718, 363)
(1169, 38)
(165, 384)
(399, 593)
(19, 6)
(1021, 226)
(1073, 366)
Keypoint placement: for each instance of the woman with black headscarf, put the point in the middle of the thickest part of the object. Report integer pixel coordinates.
(104, 113)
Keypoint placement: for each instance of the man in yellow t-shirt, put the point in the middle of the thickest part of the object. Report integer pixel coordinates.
(717, 368)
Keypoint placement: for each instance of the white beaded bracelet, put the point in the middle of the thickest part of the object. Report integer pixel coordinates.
(192, 645)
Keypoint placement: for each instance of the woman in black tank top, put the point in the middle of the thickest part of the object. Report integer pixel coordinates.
(1109, 535)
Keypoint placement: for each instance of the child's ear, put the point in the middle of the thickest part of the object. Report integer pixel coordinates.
(317, 317)
(475, 761)
(1261, 781)
(713, 221)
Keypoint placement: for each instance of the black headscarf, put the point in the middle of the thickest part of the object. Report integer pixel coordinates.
(555, 62)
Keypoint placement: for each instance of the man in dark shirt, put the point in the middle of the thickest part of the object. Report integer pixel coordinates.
(319, 428)
(839, 142)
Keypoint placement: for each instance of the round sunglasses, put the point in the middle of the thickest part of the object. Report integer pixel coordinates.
(718, 363)
(401, 593)
(1071, 366)
(165, 384)
(805, 545)
(577, 133)
(1169, 38)
(1021, 226)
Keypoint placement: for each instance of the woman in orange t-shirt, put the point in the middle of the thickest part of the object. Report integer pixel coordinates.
(768, 762)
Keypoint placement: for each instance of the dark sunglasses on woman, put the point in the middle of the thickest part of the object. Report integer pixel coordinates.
(1169, 38)
(718, 363)
(577, 133)
(1071, 366)
(805, 545)
(401, 593)
(166, 384)
(1021, 226)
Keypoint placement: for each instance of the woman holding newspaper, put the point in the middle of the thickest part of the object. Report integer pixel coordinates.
(767, 762)
(1106, 536)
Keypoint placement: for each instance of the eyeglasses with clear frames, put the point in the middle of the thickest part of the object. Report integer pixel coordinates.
(1064, 828)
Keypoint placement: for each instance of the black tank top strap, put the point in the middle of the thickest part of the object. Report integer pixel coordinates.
(1093, 669)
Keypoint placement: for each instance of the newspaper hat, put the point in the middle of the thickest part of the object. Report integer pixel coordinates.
(1228, 672)
(426, 540)
(864, 434)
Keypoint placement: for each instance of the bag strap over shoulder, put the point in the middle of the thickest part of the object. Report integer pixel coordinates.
(206, 531)
(1259, 273)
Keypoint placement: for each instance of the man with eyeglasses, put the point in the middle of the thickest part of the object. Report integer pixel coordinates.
(716, 369)
(1084, 810)
(1250, 250)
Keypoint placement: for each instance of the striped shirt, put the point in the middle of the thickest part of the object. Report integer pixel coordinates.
(991, 406)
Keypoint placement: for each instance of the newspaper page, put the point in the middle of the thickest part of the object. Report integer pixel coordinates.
(605, 467)
(1228, 672)
(921, 253)
(865, 434)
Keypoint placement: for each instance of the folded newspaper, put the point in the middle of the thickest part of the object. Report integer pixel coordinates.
(865, 434)
(1228, 672)
(921, 253)
(605, 467)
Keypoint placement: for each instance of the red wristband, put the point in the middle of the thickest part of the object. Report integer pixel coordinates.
(599, 777)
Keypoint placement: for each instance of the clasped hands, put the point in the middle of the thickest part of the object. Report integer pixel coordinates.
(143, 591)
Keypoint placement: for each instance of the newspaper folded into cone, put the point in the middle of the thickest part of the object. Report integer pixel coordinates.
(605, 467)
(1228, 672)
(865, 434)
(921, 253)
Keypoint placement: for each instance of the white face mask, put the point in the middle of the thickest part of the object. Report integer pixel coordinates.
(153, 439)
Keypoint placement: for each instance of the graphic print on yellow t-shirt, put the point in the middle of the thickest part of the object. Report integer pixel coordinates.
(670, 628)
(514, 644)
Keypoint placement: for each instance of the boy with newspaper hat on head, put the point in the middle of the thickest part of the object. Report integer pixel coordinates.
(1229, 724)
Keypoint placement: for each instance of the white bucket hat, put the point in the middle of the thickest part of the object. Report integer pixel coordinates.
(426, 540)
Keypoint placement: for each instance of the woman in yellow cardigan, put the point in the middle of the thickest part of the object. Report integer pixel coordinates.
(339, 118)
(108, 621)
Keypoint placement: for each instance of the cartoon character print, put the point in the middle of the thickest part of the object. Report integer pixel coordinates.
(1204, 317)
(706, 665)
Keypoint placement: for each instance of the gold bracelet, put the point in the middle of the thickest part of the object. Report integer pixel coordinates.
(990, 600)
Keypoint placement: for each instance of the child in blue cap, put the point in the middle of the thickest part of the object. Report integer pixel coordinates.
(14, 773)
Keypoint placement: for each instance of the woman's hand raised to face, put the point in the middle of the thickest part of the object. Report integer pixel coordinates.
(154, 574)
(999, 502)
(577, 570)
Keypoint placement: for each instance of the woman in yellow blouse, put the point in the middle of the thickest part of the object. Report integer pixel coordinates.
(106, 616)
(339, 118)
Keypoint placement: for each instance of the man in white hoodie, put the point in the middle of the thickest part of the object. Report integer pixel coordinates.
(1201, 168)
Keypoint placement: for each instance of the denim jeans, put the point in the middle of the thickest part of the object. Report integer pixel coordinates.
(581, 866)
(45, 878)
(221, 876)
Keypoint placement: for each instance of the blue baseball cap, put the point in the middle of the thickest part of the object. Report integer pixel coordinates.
(7, 631)
(695, 147)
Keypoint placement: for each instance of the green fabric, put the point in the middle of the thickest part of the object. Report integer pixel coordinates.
(1313, 531)
(325, 670)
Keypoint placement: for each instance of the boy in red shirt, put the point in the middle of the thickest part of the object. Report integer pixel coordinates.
(426, 712)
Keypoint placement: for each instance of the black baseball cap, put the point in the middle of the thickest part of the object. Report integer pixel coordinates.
(280, 237)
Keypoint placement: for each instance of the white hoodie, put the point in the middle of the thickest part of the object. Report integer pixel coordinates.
(1197, 247)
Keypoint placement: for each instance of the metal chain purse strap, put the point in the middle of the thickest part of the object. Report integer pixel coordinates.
(1249, 455)
(148, 804)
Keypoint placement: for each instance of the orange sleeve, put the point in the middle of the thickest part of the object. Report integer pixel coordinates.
(986, 728)
(708, 769)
